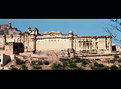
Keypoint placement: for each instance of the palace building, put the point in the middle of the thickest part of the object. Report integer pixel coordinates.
(34, 41)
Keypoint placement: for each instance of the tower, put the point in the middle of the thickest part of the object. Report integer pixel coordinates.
(4, 40)
(71, 39)
(71, 50)
(29, 29)
(33, 37)
(35, 31)
(9, 25)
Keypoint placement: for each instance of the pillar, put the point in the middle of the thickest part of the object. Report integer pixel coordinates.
(4, 41)
(34, 43)
(71, 50)
(25, 43)
(110, 44)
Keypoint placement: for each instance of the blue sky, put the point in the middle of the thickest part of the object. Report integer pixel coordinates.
(78, 26)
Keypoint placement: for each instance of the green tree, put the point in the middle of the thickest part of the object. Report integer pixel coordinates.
(39, 62)
(36, 63)
(113, 60)
(98, 66)
(24, 67)
(78, 68)
(72, 65)
(12, 67)
(65, 64)
(46, 62)
(57, 67)
(119, 60)
(116, 56)
(84, 63)
(114, 67)
(19, 61)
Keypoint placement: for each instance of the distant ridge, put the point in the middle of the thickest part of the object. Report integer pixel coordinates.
(7, 29)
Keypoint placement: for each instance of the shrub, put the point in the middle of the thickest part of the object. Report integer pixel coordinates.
(103, 68)
(92, 67)
(24, 67)
(57, 67)
(70, 61)
(63, 59)
(54, 66)
(116, 56)
(106, 68)
(75, 56)
(12, 67)
(18, 61)
(78, 68)
(83, 55)
(113, 60)
(46, 62)
(72, 65)
(119, 67)
(95, 64)
(114, 67)
(36, 63)
(39, 62)
(37, 67)
(98, 59)
(84, 62)
(119, 60)
(33, 62)
(65, 64)
(78, 60)
(98, 66)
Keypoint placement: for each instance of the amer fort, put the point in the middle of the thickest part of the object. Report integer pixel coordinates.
(52, 45)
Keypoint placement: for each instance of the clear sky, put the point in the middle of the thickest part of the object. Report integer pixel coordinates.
(78, 26)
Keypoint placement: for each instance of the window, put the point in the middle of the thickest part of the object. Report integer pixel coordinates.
(79, 41)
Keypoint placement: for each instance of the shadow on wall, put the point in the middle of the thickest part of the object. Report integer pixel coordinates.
(114, 48)
(18, 48)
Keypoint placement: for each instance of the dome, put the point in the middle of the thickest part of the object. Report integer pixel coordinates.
(70, 32)
(29, 27)
(35, 29)
(46, 32)
(59, 31)
(52, 31)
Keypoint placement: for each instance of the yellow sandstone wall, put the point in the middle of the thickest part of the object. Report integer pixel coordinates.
(52, 44)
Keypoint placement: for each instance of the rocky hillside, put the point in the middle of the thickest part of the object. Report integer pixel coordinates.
(8, 30)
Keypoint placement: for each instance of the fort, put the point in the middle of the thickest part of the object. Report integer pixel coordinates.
(33, 41)
(52, 46)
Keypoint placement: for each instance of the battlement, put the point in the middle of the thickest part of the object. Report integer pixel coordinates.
(94, 36)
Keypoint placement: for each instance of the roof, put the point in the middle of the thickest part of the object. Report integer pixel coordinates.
(96, 36)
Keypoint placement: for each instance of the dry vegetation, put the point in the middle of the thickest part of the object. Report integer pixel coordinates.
(75, 63)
